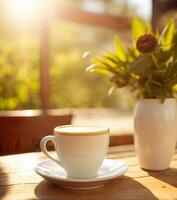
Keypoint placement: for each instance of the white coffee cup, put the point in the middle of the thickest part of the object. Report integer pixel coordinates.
(80, 149)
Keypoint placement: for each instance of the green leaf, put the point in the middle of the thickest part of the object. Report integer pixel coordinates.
(113, 62)
(132, 53)
(111, 55)
(149, 89)
(91, 67)
(109, 61)
(156, 83)
(157, 33)
(98, 69)
(175, 46)
(167, 35)
(138, 29)
(174, 88)
(101, 71)
(171, 73)
(104, 65)
(119, 49)
(141, 66)
(86, 54)
(154, 89)
(163, 56)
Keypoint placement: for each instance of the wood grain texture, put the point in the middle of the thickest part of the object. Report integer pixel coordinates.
(22, 133)
(18, 180)
(121, 139)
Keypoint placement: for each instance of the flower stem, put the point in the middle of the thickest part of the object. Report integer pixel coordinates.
(155, 61)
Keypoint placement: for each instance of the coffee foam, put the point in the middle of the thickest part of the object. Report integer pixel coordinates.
(73, 129)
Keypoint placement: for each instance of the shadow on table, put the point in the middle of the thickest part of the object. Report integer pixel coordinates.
(168, 176)
(121, 188)
(3, 182)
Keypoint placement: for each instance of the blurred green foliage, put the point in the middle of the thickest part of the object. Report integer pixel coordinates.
(19, 85)
(70, 85)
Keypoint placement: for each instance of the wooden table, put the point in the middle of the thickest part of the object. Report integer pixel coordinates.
(18, 181)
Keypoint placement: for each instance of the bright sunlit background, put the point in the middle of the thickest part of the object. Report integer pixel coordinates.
(143, 8)
(70, 85)
(27, 11)
(24, 12)
(22, 9)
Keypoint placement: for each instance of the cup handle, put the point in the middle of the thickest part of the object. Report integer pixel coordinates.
(43, 147)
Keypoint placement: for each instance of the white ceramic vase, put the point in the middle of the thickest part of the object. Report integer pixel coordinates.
(155, 135)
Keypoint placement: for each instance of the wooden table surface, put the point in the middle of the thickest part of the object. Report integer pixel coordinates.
(18, 180)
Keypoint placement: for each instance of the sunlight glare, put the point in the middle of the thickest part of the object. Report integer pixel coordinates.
(23, 10)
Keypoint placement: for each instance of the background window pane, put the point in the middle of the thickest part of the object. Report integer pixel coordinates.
(71, 85)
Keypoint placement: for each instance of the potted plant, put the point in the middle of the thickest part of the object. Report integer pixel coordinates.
(149, 69)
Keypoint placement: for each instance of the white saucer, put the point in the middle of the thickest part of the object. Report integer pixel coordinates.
(109, 170)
